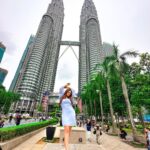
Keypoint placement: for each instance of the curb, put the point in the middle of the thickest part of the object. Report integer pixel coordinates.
(9, 145)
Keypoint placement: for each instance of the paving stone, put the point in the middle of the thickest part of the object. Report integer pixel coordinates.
(107, 143)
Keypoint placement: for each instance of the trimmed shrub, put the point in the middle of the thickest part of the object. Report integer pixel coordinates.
(15, 131)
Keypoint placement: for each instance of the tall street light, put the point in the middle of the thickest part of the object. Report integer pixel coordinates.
(101, 105)
(85, 102)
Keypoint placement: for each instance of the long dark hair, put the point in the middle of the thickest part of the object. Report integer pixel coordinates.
(65, 96)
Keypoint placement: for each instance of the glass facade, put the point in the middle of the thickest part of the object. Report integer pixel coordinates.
(2, 50)
(37, 69)
(3, 74)
(108, 49)
(20, 66)
(91, 52)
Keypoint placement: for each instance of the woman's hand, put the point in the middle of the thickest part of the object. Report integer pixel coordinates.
(67, 85)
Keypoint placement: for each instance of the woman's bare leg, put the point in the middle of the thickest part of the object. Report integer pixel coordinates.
(70, 127)
(66, 136)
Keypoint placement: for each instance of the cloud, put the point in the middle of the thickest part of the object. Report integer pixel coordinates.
(124, 22)
(67, 69)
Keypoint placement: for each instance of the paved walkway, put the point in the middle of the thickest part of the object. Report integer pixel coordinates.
(108, 143)
(23, 121)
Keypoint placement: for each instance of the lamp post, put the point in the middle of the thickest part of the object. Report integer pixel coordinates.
(85, 105)
(101, 105)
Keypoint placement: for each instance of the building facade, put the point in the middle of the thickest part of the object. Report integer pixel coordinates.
(22, 65)
(2, 50)
(90, 52)
(3, 73)
(108, 49)
(37, 69)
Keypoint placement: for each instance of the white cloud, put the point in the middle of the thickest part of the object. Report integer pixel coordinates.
(124, 22)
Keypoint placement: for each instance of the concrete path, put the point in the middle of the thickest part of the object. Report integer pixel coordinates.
(107, 143)
(23, 121)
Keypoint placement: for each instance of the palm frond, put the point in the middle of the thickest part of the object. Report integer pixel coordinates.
(97, 66)
(108, 59)
(129, 53)
(113, 71)
(115, 50)
(124, 67)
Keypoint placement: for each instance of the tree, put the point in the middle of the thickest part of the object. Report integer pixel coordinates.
(86, 96)
(97, 79)
(2, 88)
(119, 63)
(6, 99)
(118, 99)
(139, 86)
(145, 62)
(9, 98)
(108, 72)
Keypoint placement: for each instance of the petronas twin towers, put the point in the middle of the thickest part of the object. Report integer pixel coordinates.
(37, 69)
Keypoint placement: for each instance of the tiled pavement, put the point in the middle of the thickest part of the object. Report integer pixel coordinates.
(73, 147)
(107, 143)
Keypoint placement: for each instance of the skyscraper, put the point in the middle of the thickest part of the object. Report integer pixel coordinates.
(108, 49)
(91, 52)
(37, 69)
(3, 72)
(40, 69)
(2, 50)
(22, 65)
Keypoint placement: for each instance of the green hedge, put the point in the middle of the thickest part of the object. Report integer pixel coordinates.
(15, 131)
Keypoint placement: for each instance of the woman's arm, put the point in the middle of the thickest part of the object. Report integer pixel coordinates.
(61, 90)
(61, 93)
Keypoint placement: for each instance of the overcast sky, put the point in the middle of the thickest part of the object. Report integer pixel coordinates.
(125, 22)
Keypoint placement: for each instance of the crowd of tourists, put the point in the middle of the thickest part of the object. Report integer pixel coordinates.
(18, 118)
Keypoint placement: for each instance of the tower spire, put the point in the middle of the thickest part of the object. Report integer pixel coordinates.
(58, 2)
(57, 7)
(89, 9)
(91, 44)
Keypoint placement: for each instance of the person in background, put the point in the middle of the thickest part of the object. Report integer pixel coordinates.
(98, 132)
(88, 128)
(147, 135)
(123, 134)
(1, 123)
(18, 119)
(10, 118)
(107, 128)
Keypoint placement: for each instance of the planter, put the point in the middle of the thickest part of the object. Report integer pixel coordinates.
(50, 132)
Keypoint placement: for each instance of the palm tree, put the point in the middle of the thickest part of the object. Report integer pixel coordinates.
(106, 70)
(87, 96)
(98, 81)
(84, 99)
(119, 63)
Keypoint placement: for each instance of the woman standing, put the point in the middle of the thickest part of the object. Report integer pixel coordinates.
(88, 128)
(147, 135)
(68, 113)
